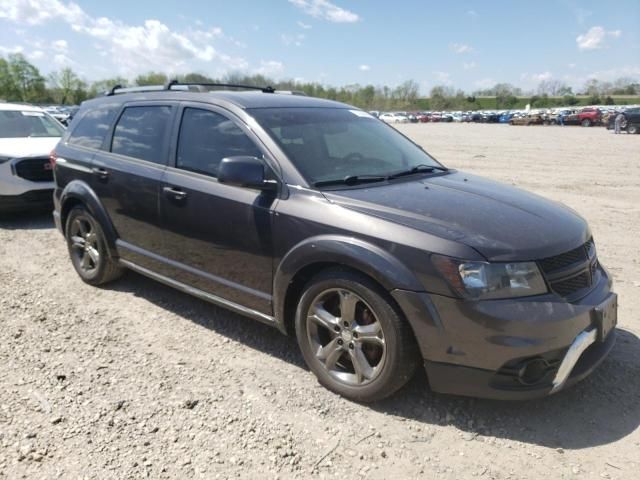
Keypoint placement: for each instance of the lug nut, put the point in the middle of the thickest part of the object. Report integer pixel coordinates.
(355, 334)
(340, 342)
(351, 346)
(346, 324)
(336, 329)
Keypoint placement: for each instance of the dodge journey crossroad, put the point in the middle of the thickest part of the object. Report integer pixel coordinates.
(316, 218)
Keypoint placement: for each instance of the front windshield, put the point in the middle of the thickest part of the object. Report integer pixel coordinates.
(327, 144)
(25, 123)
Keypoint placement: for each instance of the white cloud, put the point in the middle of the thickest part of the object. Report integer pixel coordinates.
(295, 40)
(270, 67)
(36, 12)
(326, 10)
(615, 73)
(442, 77)
(11, 50)
(485, 83)
(595, 38)
(364, 68)
(303, 25)
(469, 66)
(460, 48)
(62, 60)
(132, 49)
(571, 65)
(60, 45)
(36, 55)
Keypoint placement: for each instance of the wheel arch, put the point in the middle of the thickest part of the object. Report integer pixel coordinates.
(80, 193)
(315, 254)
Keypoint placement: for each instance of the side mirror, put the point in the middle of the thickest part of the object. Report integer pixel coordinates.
(244, 172)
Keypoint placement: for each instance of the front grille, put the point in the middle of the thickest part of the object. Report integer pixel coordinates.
(570, 285)
(35, 169)
(582, 264)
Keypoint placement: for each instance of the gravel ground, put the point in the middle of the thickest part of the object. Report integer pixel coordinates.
(136, 380)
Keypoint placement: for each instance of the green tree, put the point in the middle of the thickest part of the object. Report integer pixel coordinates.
(151, 78)
(67, 88)
(29, 84)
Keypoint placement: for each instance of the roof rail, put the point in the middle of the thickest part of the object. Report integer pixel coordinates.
(176, 85)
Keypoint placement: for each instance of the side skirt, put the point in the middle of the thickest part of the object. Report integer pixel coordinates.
(261, 317)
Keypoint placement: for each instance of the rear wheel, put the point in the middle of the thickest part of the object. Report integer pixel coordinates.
(352, 337)
(586, 122)
(88, 249)
(632, 128)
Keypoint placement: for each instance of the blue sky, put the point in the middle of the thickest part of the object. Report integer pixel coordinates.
(465, 44)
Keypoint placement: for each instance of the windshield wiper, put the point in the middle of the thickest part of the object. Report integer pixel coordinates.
(351, 180)
(422, 168)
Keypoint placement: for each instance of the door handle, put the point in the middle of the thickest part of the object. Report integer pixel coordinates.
(100, 172)
(175, 193)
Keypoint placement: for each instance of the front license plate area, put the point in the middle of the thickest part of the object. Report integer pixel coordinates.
(606, 316)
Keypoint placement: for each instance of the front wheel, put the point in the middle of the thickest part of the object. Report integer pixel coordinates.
(586, 122)
(353, 338)
(632, 128)
(88, 249)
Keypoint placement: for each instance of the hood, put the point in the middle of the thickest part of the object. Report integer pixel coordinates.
(27, 146)
(502, 223)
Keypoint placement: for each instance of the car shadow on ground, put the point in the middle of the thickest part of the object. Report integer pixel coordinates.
(602, 409)
(38, 220)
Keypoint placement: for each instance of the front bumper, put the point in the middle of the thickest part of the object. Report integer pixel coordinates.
(478, 348)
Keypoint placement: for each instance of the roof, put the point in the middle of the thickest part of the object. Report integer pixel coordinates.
(20, 106)
(241, 99)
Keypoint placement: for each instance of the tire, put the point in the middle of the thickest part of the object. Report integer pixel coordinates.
(586, 122)
(632, 128)
(88, 248)
(365, 359)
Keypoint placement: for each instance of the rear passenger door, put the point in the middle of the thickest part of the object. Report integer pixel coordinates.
(217, 237)
(127, 175)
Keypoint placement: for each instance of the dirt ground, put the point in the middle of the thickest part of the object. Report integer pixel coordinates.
(136, 380)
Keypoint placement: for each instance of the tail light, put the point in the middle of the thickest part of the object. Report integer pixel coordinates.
(52, 159)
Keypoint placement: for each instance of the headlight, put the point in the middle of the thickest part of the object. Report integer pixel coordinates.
(483, 281)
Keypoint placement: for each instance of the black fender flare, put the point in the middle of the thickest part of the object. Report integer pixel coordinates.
(79, 191)
(351, 252)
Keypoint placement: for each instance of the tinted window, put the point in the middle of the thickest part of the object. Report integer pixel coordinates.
(208, 137)
(27, 123)
(93, 127)
(326, 144)
(140, 133)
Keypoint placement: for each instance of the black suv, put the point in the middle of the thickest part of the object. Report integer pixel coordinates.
(316, 218)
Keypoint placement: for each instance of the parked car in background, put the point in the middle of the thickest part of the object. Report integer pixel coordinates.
(527, 119)
(311, 216)
(586, 117)
(27, 135)
(631, 122)
(391, 117)
(505, 117)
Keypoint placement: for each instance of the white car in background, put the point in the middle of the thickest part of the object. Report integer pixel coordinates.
(27, 135)
(394, 118)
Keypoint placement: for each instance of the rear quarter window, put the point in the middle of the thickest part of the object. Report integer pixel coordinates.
(92, 127)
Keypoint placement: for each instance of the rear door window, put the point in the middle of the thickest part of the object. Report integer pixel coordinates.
(141, 133)
(93, 126)
(206, 138)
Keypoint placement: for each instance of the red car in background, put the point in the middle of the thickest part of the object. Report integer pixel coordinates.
(586, 117)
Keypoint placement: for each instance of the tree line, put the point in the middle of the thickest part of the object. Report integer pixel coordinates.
(21, 81)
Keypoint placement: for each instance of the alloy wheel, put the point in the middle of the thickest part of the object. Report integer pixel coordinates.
(346, 336)
(84, 244)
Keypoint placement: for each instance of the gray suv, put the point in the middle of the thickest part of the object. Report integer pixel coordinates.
(316, 218)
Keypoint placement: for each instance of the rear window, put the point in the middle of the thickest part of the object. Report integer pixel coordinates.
(141, 132)
(27, 123)
(93, 127)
